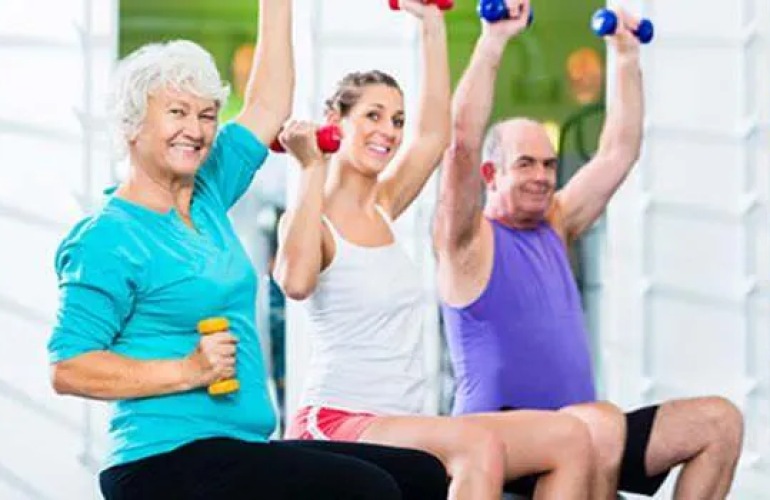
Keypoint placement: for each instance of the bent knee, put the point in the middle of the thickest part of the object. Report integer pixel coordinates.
(476, 447)
(606, 424)
(572, 438)
(723, 419)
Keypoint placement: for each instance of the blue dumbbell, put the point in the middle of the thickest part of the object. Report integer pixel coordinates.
(604, 22)
(496, 10)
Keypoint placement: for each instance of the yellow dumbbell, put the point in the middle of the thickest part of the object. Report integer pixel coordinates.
(207, 327)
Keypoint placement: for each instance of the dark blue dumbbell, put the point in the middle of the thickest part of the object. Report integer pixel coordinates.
(496, 10)
(604, 22)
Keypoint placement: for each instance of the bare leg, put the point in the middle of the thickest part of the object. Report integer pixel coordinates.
(607, 425)
(555, 444)
(481, 451)
(704, 434)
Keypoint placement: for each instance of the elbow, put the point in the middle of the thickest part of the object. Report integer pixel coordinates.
(297, 290)
(294, 287)
(459, 151)
(464, 141)
(61, 379)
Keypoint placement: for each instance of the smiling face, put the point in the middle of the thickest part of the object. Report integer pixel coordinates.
(373, 128)
(176, 134)
(522, 184)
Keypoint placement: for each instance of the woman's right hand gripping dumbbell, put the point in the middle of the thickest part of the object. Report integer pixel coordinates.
(299, 140)
(212, 360)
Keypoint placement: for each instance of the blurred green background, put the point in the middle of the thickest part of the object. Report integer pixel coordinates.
(535, 78)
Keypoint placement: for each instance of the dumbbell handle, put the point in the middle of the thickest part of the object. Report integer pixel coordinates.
(207, 327)
(441, 4)
(605, 22)
(328, 138)
(493, 11)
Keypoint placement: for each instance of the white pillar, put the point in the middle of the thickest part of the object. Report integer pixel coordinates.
(56, 57)
(687, 242)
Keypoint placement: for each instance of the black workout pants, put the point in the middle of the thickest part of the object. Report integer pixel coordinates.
(228, 469)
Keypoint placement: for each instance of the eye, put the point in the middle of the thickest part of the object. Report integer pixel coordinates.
(524, 163)
(398, 122)
(208, 117)
(551, 165)
(176, 111)
(373, 115)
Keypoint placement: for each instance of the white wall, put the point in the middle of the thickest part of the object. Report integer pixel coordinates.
(687, 279)
(56, 56)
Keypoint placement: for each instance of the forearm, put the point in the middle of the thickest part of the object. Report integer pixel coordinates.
(621, 136)
(271, 81)
(108, 376)
(434, 112)
(459, 208)
(474, 96)
(298, 261)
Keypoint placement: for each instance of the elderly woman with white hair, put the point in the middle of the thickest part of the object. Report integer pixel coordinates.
(160, 255)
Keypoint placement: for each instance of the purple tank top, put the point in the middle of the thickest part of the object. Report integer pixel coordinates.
(522, 343)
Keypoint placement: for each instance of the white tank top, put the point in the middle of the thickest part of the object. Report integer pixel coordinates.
(366, 331)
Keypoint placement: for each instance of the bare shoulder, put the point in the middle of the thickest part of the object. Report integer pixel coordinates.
(464, 272)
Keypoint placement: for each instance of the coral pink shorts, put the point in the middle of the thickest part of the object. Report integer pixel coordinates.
(328, 424)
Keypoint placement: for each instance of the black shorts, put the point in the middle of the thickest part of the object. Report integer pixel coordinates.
(282, 470)
(633, 477)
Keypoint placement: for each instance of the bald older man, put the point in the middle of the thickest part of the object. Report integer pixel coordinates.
(512, 310)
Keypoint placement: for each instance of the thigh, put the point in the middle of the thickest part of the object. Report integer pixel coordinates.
(534, 440)
(420, 476)
(238, 470)
(636, 475)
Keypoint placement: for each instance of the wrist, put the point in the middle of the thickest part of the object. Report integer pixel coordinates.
(189, 374)
(492, 46)
(627, 59)
(313, 164)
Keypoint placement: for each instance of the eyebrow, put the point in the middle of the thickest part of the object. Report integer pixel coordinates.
(186, 105)
(550, 159)
(382, 107)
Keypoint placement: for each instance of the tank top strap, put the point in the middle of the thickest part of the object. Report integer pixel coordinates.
(338, 239)
(386, 217)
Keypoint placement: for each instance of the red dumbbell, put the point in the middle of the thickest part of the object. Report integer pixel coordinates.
(441, 4)
(328, 138)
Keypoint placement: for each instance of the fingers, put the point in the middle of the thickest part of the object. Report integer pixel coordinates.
(219, 351)
(626, 20)
(298, 137)
(518, 9)
(294, 129)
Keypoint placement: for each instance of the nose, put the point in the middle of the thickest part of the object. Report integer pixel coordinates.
(541, 172)
(193, 127)
(389, 130)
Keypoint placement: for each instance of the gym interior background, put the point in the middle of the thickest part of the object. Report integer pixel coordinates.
(675, 277)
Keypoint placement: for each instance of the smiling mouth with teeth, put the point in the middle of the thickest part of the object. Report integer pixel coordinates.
(379, 149)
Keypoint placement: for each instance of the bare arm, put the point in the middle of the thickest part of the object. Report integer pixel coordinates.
(586, 195)
(270, 88)
(411, 169)
(458, 215)
(108, 376)
(300, 231)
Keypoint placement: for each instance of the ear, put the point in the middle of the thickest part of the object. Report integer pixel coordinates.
(488, 172)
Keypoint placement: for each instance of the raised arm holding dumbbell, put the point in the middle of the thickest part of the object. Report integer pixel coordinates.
(512, 310)
(340, 255)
